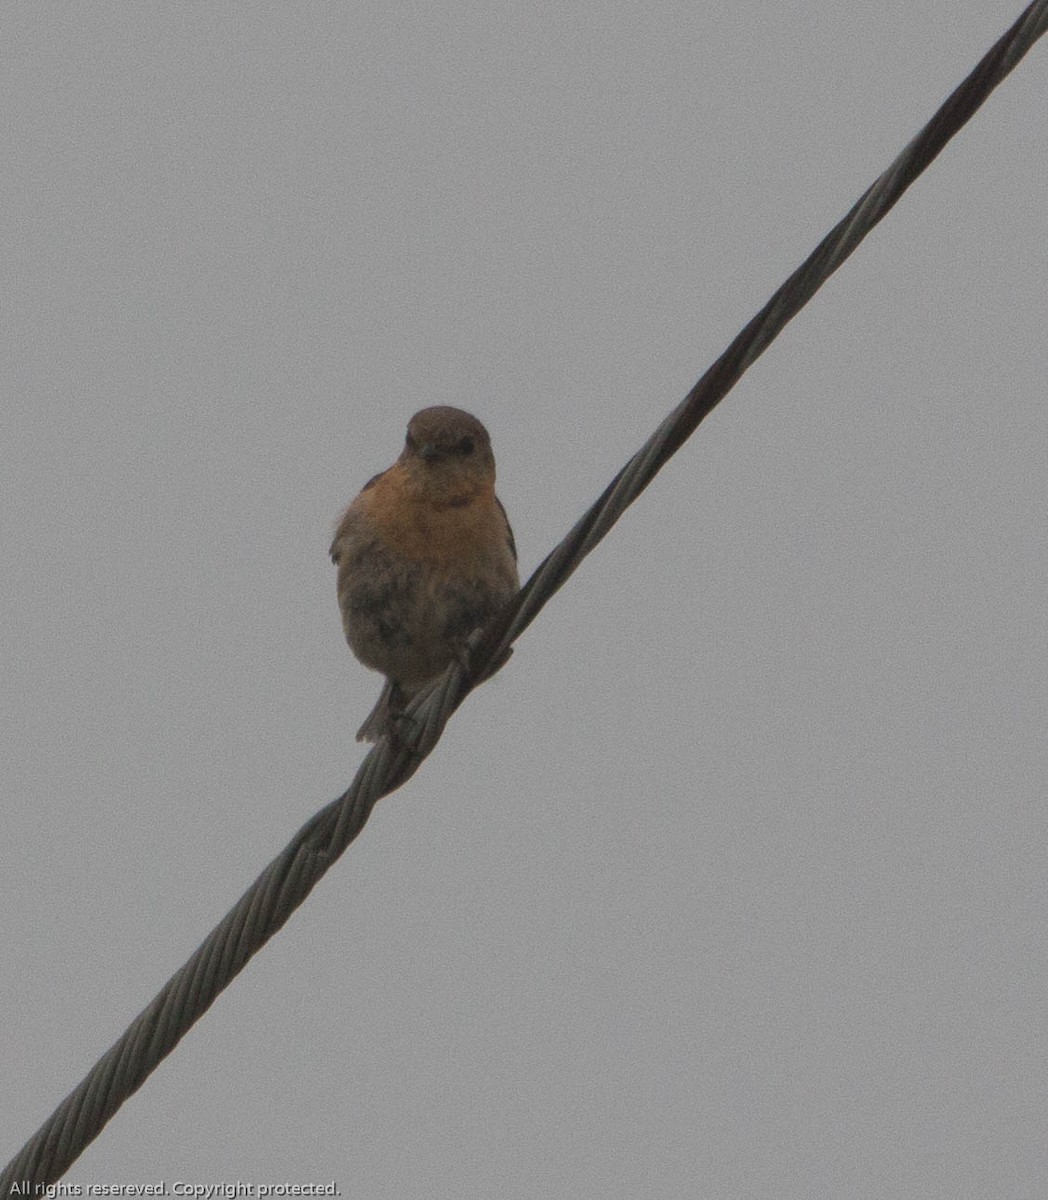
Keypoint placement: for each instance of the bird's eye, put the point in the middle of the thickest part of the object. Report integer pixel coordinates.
(465, 446)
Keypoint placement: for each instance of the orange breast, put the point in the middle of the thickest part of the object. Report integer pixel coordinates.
(460, 531)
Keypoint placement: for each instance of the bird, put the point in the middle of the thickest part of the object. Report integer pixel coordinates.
(425, 557)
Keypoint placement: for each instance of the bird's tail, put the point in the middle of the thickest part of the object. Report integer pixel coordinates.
(390, 704)
(378, 720)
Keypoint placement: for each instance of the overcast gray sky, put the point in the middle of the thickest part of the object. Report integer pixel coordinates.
(732, 884)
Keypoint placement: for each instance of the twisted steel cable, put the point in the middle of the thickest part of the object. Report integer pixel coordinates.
(289, 878)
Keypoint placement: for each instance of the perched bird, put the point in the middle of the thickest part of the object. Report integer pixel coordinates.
(425, 558)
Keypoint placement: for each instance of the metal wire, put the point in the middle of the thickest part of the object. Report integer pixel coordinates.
(290, 877)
